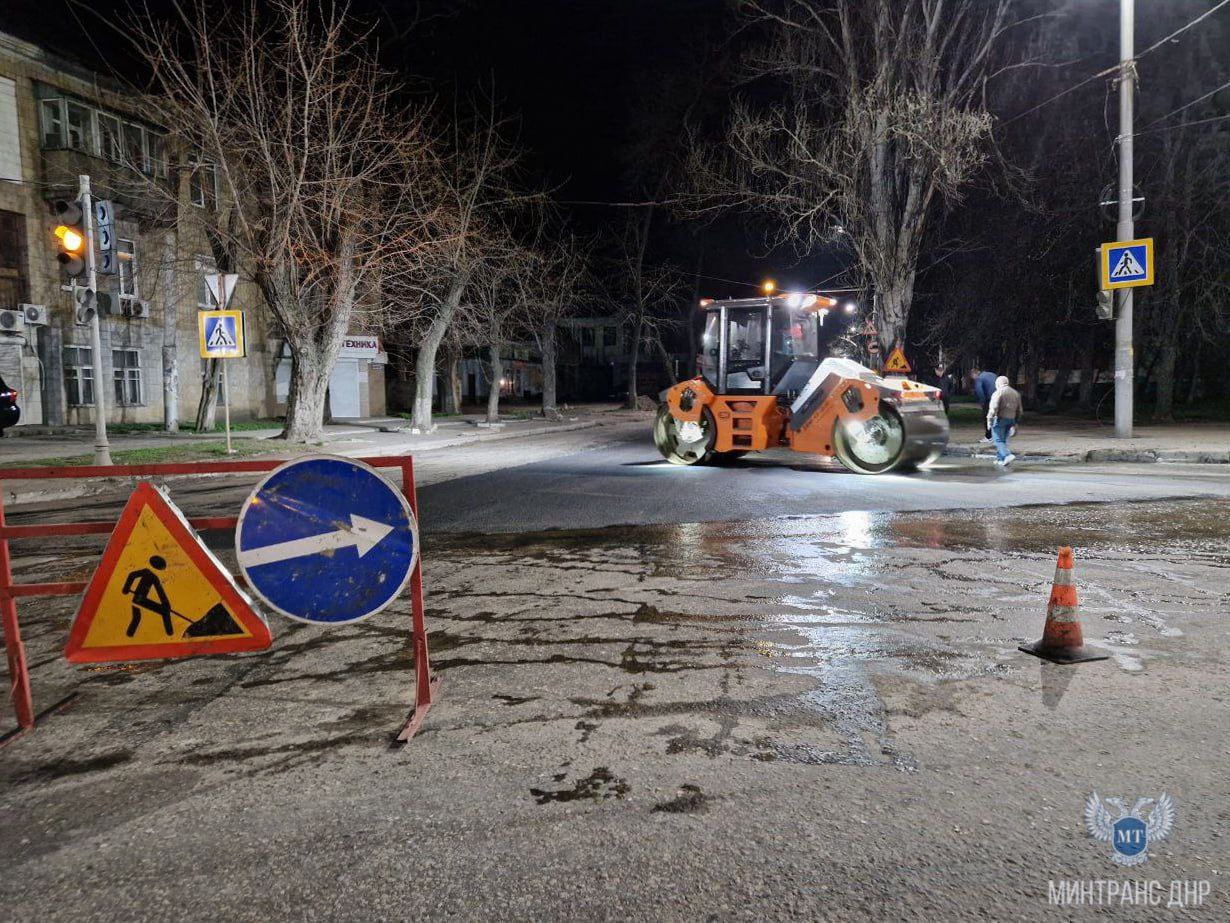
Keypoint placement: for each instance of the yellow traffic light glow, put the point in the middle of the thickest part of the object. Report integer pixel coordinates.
(71, 239)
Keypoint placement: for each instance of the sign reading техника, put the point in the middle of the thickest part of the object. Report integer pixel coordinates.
(327, 540)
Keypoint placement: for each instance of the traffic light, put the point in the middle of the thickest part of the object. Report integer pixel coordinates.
(1105, 308)
(70, 231)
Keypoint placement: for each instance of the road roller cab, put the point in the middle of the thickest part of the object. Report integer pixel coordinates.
(770, 377)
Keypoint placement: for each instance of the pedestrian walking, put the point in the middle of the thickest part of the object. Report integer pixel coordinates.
(1002, 415)
(937, 377)
(984, 389)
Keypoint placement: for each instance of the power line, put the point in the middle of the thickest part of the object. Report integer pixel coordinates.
(1215, 118)
(1198, 99)
(1117, 67)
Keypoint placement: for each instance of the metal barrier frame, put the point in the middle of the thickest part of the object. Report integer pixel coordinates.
(426, 685)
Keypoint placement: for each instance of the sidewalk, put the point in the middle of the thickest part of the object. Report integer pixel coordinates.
(367, 437)
(1069, 439)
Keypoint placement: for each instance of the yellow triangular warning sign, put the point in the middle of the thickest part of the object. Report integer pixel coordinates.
(897, 362)
(158, 592)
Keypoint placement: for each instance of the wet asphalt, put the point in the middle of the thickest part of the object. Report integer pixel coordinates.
(769, 693)
(626, 482)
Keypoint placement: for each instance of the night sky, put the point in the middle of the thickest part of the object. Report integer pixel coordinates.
(599, 88)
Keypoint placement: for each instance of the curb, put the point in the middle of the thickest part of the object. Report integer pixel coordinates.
(16, 498)
(1098, 456)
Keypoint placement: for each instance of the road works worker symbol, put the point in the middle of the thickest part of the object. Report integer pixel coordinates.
(897, 362)
(1127, 263)
(222, 334)
(327, 540)
(159, 593)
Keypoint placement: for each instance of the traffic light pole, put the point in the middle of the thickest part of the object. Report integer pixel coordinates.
(102, 450)
(1125, 376)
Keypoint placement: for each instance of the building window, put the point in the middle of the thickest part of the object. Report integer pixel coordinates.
(53, 123)
(587, 336)
(78, 376)
(203, 185)
(126, 250)
(157, 145)
(81, 128)
(134, 147)
(127, 370)
(205, 300)
(609, 336)
(109, 138)
(71, 124)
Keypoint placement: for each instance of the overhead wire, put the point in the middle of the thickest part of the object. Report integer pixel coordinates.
(1118, 65)
(1194, 102)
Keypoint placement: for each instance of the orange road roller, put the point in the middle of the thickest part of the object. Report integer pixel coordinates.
(770, 378)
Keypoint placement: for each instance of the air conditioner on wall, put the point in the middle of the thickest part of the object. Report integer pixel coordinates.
(138, 308)
(36, 315)
(11, 321)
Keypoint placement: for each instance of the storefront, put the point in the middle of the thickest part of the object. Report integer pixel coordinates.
(356, 386)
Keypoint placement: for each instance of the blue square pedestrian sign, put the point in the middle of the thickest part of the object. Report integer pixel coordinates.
(222, 334)
(1127, 263)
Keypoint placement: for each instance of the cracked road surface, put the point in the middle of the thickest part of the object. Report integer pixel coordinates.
(795, 713)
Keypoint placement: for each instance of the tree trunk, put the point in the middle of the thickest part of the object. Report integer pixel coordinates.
(634, 357)
(170, 351)
(454, 381)
(207, 409)
(1032, 365)
(1089, 373)
(548, 370)
(309, 384)
(892, 309)
(425, 364)
(497, 377)
(1054, 396)
(1163, 408)
(450, 400)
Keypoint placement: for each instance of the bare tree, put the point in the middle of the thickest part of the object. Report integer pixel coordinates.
(645, 296)
(323, 174)
(479, 185)
(497, 310)
(879, 118)
(560, 289)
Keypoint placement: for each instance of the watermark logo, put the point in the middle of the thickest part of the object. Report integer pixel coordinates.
(1132, 832)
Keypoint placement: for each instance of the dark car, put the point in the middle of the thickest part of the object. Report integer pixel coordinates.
(10, 413)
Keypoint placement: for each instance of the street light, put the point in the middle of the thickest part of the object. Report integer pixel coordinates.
(850, 307)
(768, 286)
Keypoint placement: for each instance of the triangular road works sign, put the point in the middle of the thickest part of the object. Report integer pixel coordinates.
(897, 362)
(159, 593)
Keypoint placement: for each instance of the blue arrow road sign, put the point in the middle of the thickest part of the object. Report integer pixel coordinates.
(326, 540)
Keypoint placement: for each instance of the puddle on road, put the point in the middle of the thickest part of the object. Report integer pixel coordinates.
(788, 640)
(854, 601)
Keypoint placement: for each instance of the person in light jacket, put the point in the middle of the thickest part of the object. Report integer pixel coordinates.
(1002, 415)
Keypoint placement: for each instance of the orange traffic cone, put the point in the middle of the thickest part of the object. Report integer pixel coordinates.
(1062, 641)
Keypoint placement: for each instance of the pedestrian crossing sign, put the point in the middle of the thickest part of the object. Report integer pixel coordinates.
(222, 334)
(1127, 263)
(159, 593)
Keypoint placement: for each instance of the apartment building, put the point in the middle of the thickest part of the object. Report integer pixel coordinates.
(59, 120)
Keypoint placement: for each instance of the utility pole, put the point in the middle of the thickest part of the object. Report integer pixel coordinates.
(1125, 376)
(102, 451)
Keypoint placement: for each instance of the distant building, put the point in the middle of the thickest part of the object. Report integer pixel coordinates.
(59, 120)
